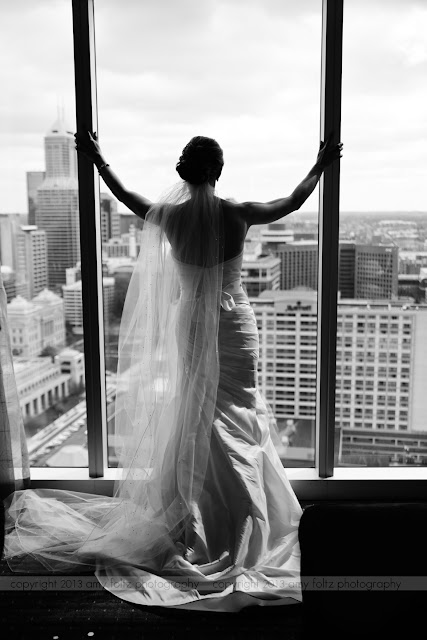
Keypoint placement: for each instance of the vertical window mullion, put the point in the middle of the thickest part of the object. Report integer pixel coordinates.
(330, 120)
(91, 267)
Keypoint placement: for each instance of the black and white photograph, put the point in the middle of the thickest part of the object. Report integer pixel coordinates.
(213, 319)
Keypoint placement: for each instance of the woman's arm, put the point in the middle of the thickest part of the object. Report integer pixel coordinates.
(89, 147)
(263, 213)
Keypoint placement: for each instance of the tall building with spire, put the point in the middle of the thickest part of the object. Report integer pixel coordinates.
(57, 211)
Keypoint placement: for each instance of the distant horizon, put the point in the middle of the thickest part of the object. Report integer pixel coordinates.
(299, 213)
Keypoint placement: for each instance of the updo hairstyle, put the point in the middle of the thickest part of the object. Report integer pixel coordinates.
(201, 160)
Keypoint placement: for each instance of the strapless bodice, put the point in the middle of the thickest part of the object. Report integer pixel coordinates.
(231, 281)
(231, 278)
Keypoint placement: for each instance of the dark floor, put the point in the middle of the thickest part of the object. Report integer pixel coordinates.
(60, 615)
(66, 615)
(99, 614)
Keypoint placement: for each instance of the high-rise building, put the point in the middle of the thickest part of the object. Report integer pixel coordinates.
(31, 246)
(346, 269)
(260, 274)
(110, 219)
(376, 272)
(34, 180)
(299, 265)
(368, 272)
(10, 224)
(381, 360)
(73, 305)
(287, 324)
(365, 271)
(57, 211)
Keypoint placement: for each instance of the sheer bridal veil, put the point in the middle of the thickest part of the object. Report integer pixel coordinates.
(167, 382)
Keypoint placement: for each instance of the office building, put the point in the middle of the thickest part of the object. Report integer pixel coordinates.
(110, 219)
(57, 211)
(73, 305)
(376, 270)
(346, 270)
(260, 274)
(381, 360)
(368, 272)
(34, 180)
(31, 248)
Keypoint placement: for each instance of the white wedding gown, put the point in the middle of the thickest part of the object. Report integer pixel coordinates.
(240, 546)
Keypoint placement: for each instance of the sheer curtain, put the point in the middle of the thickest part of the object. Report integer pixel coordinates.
(14, 462)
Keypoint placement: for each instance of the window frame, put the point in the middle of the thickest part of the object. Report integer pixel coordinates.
(322, 482)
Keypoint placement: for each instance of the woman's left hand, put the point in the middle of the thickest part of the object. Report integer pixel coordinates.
(87, 145)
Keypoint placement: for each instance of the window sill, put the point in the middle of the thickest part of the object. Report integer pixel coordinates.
(350, 483)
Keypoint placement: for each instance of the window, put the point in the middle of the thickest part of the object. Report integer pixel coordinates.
(373, 271)
(381, 84)
(40, 246)
(186, 82)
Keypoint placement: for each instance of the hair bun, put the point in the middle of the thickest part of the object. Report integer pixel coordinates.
(200, 160)
(193, 172)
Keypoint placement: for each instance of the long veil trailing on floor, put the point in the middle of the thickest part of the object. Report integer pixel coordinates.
(167, 382)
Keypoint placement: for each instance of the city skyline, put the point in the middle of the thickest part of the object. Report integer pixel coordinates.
(264, 108)
(150, 103)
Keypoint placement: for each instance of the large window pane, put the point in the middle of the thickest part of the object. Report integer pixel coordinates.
(39, 229)
(248, 76)
(381, 402)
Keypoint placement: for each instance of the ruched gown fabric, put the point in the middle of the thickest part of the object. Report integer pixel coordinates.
(241, 546)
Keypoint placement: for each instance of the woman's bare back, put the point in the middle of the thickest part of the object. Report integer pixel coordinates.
(235, 230)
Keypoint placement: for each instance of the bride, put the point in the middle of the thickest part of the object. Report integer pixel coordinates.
(202, 515)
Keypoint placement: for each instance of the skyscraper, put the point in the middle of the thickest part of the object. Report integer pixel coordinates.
(57, 211)
(34, 180)
(31, 245)
(110, 218)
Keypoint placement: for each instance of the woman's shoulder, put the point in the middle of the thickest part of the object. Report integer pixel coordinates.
(232, 208)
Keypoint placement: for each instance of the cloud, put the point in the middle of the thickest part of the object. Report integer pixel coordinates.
(247, 74)
(384, 93)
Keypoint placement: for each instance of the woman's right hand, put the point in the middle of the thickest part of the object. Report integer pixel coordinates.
(328, 152)
(87, 145)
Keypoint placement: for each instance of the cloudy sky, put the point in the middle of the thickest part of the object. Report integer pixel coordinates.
(246, 72)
